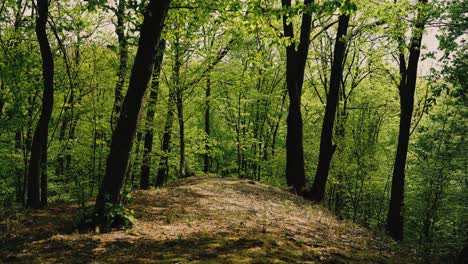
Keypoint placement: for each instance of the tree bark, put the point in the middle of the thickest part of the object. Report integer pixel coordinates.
(123, 61)
(407, 89)
(181, 121)
(295, 66)
(124, 133)
(39, 144)
(163, 169)
(19, 170)
(2, 101)
(130, 174)
(206, 156)
(150, 111)
(327, 148)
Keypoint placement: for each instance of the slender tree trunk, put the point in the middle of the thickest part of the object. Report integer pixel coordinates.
(27, 139)
(238, 137)
(179, 101)
(130, 175)
(150, 111)
(407, 90)
(295, 66)
(2, 101)
(123, 61)
(71, 135)
(462, 257)
(326, 144)
(180, 119)
(19, 170)
(163, 169)
(206, 156)
(275, 130)
(124, 132)
(39, 143)
(44, 176)
(62, 135)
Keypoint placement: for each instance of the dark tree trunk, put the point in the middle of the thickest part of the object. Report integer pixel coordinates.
(181, 121)
(462, 257)
(407, 89)
(206, 157)
(326, 144)
(276, 127)
(163, 169)
(130, 175)
(19, 170)
(295, 66)
(124, 133)
(179, 101)
(39, 143)
(150, 111)
(27, 143)
(2, 101)
(44, 190)
(71, 135)
(62, 135)
(238, 137)
(123, 63)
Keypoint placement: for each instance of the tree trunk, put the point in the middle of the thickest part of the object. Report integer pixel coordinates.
(123, 63)
(326, 145)
(2, 101)
(19, 170)
(130, 174)
(71, 135)
(276, 127)
(179, 101)
(206, 157)
(295, 66)
(407, 90)
(462, 257)
(39, 143)
(238, 137)
(180, 119)
(163, 169)
(124, 133)
(44, 190)
(62, 135)
(150, 111)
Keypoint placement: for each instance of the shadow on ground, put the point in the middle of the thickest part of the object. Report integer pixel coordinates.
(198, 220)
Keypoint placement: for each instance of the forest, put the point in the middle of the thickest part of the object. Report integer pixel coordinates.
(358, 107)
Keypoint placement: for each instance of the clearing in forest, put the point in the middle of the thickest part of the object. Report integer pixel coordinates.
(199, 220)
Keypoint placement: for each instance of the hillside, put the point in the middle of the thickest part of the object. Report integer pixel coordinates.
(199, 220)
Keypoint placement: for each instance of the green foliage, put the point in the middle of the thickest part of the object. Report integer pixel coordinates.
(115, 216)
(248, 104)
(120, 216)
(438, 186)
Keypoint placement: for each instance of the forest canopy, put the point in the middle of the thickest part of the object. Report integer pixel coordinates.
(358, 105)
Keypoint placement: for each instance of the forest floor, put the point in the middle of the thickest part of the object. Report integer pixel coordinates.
(200, 220)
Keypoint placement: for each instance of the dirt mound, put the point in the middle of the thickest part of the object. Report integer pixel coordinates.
(200, 220)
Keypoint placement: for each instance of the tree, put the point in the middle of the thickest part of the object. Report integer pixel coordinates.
(206, 156)
(37, 180)
(150, 111)
(295, 66)
(327, 148)
(408, 75)
(123, 59)
(163, 169)
(122, 137)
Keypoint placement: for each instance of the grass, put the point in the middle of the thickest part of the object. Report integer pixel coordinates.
(200, 220)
